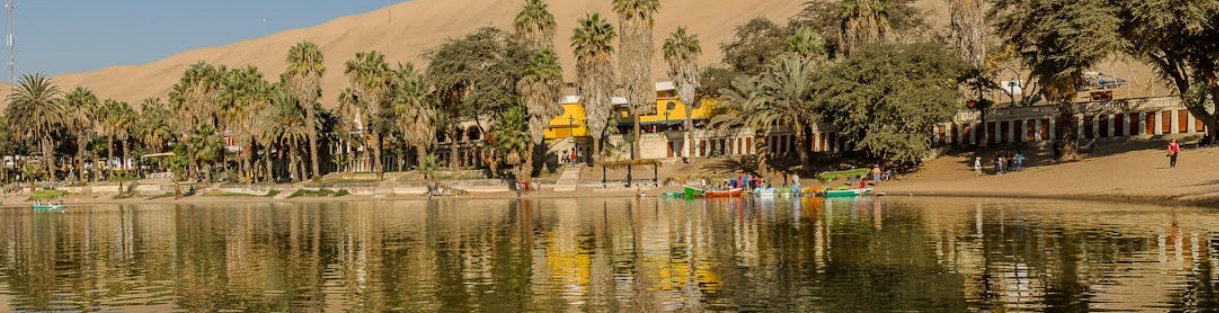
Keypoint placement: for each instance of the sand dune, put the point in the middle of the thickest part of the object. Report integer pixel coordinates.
(406, 30)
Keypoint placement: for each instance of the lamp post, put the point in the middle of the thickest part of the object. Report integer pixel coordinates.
(666, 126)
(571, 130)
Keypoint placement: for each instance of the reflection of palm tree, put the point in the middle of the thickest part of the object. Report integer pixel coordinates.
(681, 51)
(592, 44)
(636, 19)
(304, 80)
(81, 107)
(35, 109)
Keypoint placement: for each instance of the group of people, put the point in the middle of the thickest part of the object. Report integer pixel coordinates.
(568, 157)
(1003, 161)
(745, 181)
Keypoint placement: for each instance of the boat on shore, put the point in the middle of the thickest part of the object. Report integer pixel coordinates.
(691, 192)
(842, 193)
(730, 193)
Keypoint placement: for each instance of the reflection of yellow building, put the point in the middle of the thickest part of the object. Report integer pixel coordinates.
(572, 120)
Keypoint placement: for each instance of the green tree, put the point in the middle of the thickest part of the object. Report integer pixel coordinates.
(370, 79)
(806, 43)
(681, 52)
(636, 18)
(205, 147)
(1058, 41)
(1179, 39)
(754, 47)
(243, 95)
(304, 80)
(535, 25)
(511, 138)
(863, 22)
(285, 123)
(592, 43)
(81, 107)
(35, 110)
(886, 99)
(540, 89)
(475, 77)
(349, 120)
(412, 110)
(782, 97)
(115, 121)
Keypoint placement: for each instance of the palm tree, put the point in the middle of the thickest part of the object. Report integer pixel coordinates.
(783, 96)
(80, 114)
(369, 76)
(969, 27)
(115, 120)
(535, 25)
(592, 44)
(862, 22)
(681, 52)
(349, 118)
(205, 147)
(35, 109)
(413, 114)
(285, 122)
(540, 88)
(511, 138)
(153, 129)
(636, 19)
(304, 80)
(806, 43)
(243, 94)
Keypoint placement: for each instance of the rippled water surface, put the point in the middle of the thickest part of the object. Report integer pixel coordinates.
(614, 255)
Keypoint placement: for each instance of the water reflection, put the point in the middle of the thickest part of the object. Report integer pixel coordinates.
(607, 255)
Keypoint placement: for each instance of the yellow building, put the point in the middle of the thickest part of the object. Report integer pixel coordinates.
(669, 110)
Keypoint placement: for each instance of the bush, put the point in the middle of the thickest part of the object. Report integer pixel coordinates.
(47, 195)
(272, 193)
(320, 193)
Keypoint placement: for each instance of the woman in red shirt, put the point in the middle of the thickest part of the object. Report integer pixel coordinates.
(1173, 150)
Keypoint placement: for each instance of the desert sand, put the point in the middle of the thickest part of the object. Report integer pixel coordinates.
(407, 30)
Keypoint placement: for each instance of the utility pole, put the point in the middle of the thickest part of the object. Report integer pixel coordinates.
(12, 49)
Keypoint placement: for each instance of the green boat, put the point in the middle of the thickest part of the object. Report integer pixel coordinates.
(49, 207)
(847, 193)
(692, 193)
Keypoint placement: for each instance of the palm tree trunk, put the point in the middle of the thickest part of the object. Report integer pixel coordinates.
(48, 154)
(453, 150)
(420, 152)
(109, 157)
(526, 171)
(208, 173)
(596, 157)
(123, 165)
(270, 167)
(78, 161)
(802, 145)
(635, 146)
(689, 132)
(292, 157)
(313, 156)
(1068, 131)
(376, 162)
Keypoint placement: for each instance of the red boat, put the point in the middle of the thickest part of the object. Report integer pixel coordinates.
(731, 193)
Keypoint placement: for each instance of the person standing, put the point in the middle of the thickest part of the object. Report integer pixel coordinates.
(977, 166)
(1173, 150)
(1019, 160)
(796, 180)
(875, 173)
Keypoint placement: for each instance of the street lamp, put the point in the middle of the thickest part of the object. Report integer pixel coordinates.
(571, 130)
(666, 127)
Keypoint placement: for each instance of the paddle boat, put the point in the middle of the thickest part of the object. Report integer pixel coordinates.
(692, 192)
(41, 207)
(840, 193)
(765, 192)
(730, 193)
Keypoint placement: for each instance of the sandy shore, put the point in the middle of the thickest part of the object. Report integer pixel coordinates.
(1137, 175)
(1128, 172)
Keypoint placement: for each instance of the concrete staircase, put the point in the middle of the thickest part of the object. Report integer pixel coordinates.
(569, 179)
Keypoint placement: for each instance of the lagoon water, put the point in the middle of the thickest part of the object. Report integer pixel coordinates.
(614, 255)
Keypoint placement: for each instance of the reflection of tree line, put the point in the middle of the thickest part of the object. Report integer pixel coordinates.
(609, 254)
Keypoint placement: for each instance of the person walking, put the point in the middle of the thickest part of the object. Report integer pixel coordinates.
(977, 166)
(1173, 150)
(998, 164)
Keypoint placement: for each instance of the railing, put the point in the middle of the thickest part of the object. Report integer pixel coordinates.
(1086, 108)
